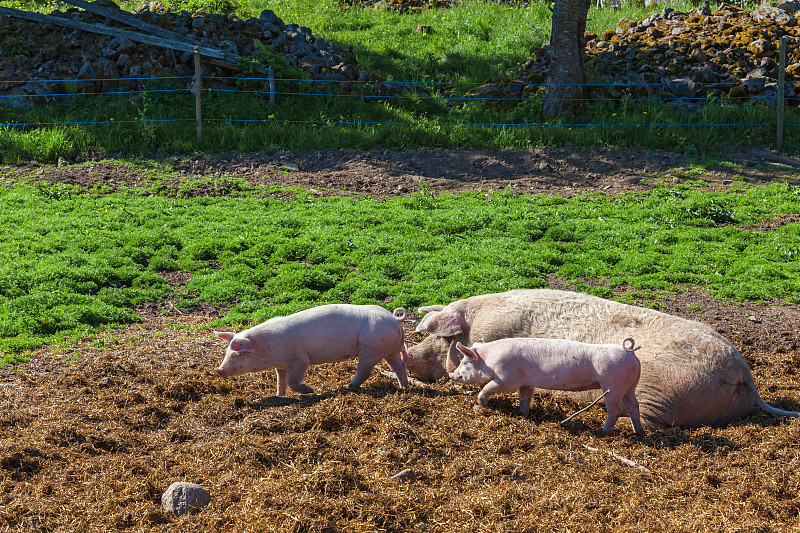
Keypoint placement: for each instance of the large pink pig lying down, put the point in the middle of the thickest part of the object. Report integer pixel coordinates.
(323, 334)
(691, 376)
(524, 364)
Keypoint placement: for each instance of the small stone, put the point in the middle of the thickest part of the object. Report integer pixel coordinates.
(182, 498)
(405, 475)
(87, 72)
(290, 166)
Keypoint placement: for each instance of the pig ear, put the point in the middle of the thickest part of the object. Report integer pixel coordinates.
(226, 335)
(428, 308)
(441, 324)
(468, 352)
(239, 345)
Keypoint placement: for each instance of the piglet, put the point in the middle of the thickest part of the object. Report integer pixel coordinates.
(323, 334)
(555, 364)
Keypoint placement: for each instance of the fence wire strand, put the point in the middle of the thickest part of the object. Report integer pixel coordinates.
(401, 84)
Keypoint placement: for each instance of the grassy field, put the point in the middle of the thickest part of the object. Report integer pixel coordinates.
(470, 43)
(72, 260)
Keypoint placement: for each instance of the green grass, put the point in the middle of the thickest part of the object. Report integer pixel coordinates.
(72, 261)
(468, 44)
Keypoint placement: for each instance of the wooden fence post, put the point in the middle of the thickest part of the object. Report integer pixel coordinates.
(198, 89)
(271, 75)
(779, 102)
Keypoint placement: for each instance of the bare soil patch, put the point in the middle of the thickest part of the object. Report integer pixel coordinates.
(91, 435)
(378, 173)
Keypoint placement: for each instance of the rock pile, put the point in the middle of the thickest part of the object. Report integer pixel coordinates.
(34, 51)
(683, 58)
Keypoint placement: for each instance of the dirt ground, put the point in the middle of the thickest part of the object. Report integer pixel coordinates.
(91, 435)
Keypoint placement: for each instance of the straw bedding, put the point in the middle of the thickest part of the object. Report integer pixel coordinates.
(89, 442)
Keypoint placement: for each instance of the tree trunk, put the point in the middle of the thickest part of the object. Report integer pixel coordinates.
(565, 80)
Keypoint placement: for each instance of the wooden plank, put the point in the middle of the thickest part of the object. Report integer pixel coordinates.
(126, 18)
(217, 57)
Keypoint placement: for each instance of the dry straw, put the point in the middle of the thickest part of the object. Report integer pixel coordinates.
(91, 445)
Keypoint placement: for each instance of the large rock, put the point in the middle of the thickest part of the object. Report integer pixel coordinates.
(183, 498)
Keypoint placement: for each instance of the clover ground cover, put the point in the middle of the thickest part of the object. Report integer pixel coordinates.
(74, 260)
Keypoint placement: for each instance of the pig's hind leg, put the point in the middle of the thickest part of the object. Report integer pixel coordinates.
(614, 409)
(395, 362)
(632, 406)
(367, 359)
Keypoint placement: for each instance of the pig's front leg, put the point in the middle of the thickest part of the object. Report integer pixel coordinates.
(294, 376)
(493, 387)
(281, 374)
(525, 396)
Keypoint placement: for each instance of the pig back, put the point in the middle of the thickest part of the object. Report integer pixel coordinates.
(329, 333)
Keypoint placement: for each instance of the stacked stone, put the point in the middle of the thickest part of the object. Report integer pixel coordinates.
(34, 51)
(684, 58)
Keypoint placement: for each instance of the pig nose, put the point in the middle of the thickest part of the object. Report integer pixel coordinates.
(220, 373)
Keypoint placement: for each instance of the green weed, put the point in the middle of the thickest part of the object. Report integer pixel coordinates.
(71, 262)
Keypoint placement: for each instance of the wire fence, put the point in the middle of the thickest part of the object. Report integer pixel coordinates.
(371, 89)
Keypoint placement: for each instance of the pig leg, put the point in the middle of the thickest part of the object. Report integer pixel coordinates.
(632, 406)
(493, 387)
(525, 395)
(395, 362)
(294, 376)
(614, 409)
(367, 359)
(281, 374)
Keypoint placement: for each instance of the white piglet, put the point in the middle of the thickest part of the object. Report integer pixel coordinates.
(554, 364)
(323, 334)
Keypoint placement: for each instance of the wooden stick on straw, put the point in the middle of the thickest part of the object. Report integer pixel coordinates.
(570, 417)
(618, 457)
